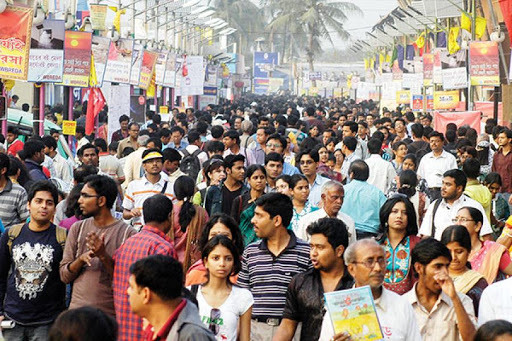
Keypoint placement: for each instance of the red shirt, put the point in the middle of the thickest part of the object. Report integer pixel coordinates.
(15, 147)
(502, 164)
(166, 328)
(149, 241)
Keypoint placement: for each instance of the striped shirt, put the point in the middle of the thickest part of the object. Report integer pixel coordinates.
(13, 203)
(139, 190)
(267, 276)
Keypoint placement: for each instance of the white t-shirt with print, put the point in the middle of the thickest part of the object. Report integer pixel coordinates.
(237, 303)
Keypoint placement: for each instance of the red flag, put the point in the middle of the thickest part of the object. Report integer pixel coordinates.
(506, 10)
(96, 102)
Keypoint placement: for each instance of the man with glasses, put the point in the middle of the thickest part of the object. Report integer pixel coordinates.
(442, 212)
(278, 144)
(308, 163)
(153, 182)
(366, 263)
(130, 141)
(441, 312)
(91, 243)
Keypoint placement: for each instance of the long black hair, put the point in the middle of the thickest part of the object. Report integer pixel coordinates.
(228, 244)
(184, 189)
(385, 211)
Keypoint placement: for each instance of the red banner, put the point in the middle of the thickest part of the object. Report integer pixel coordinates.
(485, 64)
(471, 118)
(77, 58)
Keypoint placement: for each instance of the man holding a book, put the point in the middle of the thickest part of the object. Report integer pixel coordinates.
(304, 297)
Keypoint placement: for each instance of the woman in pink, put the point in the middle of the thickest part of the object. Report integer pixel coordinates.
(189, 221)
(487, 257)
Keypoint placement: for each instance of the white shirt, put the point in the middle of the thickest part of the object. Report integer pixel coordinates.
(445, 214)
(382, 172)
(237, 303)
(396, 318)
(62, 168)
(312, 217)
(432, 168)
(139, 190)
(191, 148)
(496, 302)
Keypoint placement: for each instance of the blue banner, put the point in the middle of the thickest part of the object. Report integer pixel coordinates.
(264, 63)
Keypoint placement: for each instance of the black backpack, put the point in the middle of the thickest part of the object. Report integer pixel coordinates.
(190, 164)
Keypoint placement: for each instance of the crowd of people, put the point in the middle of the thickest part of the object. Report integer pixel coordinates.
(232, 222)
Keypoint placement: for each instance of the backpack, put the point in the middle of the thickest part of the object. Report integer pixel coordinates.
(14, 231)
(190, 164)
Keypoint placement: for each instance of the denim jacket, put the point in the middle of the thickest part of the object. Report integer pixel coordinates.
(213, 199)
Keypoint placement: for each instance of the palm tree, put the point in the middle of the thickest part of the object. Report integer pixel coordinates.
(243, 15)
(310, 21)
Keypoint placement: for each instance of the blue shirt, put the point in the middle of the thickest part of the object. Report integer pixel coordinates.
(362, 203)
(288, 169)
(183, 145)
(315, 190)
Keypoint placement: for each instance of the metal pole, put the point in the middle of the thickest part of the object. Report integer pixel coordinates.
(4, 120)
(471, 89)
(41, 110)
(70, 112)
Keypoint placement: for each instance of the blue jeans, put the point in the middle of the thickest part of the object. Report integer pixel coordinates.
(27, 333)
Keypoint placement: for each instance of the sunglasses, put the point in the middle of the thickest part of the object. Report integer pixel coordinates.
(214, 320)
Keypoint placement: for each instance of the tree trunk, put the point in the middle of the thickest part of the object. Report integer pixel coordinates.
(310, 54)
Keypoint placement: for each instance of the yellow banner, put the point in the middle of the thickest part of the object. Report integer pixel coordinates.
(68, 127)
(15, 32)
(98, 16)
(446, 100)
(403, 97)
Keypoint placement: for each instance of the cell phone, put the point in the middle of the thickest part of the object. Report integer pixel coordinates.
(7, 324)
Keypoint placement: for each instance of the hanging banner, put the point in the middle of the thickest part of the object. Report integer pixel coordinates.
(471, 118)
(98, 16)
(77, 59)
(138, 52)
(437, 68)
(170, 71)
(119, 61)
(15, 30)
(68, 127)
(412, 80)
(454, 72)
(264, 65)
(160, 67)
(100, 47)
(193, 80)
(118, 105)
(485, 64)
(147, 69)
(446, 100)
(403, 97)
(46, 58)
(430, 102)
(428, 69)
(417, 103)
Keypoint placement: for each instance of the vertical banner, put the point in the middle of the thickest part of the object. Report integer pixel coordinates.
(428, 69)
(437, 68)
(46, 58)
(160, 67)
(118, 105)
(15, 30)
(193, 81)
(264, 64)
(100, 47)
(147, 69)
(446, 100)
(454, 72)
(98, 16)
(170, 71)
(119, 61)
(485, 64)
(417, 103)
(430, 102)
(138, 52)
(77, 59)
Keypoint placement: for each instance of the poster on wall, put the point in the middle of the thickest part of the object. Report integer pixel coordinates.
(77, 59)
(484, 68)
(15, 31)
(100, 47)
(46, 57)
(119, 61)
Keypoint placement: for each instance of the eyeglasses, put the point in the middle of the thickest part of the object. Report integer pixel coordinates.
(461, 220)
(306, 162)
(87, 196)
(275, 145)
(370, 263)
(214, 321)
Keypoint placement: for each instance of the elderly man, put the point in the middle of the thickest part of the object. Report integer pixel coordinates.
(332, 200)
(366, 263)
(133, 165)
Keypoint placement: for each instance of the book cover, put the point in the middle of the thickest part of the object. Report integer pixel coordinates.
(353, 311)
